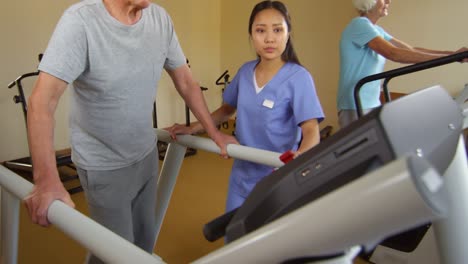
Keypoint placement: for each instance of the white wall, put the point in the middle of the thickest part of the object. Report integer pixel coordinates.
(25, 27)
(430, 24)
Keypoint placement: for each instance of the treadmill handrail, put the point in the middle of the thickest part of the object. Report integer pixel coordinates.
(388, 75)
(265, 157)
(104, 243)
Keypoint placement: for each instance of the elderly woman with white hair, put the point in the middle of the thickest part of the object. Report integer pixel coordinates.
(364, 48)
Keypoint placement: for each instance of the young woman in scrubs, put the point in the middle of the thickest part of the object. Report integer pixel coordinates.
(274, 97)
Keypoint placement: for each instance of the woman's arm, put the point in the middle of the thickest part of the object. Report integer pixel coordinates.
(310, 136)
(219, 116)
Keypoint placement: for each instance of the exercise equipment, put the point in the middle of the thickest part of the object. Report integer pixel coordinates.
(63, 158)
(371, 146)
(225, 77)
(362, 185)
(389, 75)
(369, 143)
(462, 100)
(408, 241)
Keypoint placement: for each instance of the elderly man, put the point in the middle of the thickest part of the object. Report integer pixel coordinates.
(111, 53)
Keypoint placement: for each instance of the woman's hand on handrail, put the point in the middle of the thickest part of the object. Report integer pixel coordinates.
(196, 128)
(178, 129)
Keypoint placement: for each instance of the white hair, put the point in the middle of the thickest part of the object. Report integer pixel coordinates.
(364, 5)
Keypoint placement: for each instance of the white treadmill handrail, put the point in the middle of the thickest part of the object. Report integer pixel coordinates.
(99, 240)
(265, 157)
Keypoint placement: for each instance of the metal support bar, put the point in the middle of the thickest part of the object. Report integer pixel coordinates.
(403, 71)
(465, 115)
(167, 179)
(451, 232)
(175, 155)
(9, 228)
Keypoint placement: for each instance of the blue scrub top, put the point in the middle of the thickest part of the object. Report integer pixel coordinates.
(270, 119)
(357, 61)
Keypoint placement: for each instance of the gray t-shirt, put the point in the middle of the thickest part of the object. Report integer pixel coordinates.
(113, 70)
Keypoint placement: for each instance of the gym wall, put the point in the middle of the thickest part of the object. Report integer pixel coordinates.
(214, 36)
(197, 23)
(26, 27)
(429, 24)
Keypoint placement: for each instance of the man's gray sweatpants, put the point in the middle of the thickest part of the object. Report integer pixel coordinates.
(124, 200)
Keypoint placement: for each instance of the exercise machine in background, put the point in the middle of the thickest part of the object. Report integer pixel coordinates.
(406, 242)
(225, 77)
(63, 158)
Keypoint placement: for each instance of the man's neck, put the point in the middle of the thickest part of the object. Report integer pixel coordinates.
(123, 11)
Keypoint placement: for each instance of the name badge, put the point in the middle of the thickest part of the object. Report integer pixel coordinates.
(268, 103)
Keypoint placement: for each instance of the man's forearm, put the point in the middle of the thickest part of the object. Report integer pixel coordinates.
(41, 144)
(197, 104)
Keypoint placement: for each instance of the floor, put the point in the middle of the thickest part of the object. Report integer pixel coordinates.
(198, 197)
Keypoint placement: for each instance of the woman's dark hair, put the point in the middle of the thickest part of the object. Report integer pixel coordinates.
(289, 54)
